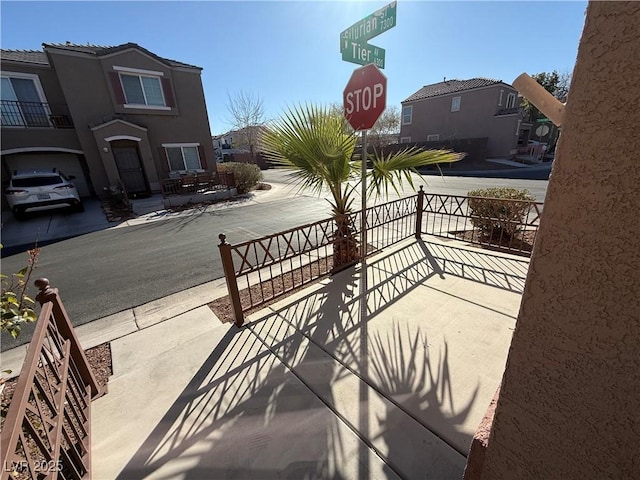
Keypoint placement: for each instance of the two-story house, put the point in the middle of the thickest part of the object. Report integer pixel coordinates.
(464, 109)
(107, 115)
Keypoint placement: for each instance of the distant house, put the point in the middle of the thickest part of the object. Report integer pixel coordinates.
(239, 145)
(104, 114)
(464, 109)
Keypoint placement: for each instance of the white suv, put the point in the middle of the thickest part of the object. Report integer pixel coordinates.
(31, 189)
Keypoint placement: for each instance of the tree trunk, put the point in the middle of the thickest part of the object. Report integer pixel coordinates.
(346, 251)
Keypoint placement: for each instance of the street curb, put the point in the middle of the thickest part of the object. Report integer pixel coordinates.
(129, 321)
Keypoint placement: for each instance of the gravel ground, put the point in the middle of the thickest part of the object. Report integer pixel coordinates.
(99, 358)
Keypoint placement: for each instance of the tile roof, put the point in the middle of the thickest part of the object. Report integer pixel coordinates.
(26, 56)
(40, 57)
(450, 86)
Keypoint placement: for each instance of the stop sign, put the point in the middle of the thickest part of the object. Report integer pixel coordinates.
(365, 97)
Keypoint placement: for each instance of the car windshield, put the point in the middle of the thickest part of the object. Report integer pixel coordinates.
(37, 181)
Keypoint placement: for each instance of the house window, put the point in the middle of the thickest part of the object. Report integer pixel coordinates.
(23, 102)
(500, 99)
(455, 104)
(433, 138)
(183, 157)
(147, 89)
(142, 90)
(405, 139)
(407, 114)
(511, 100)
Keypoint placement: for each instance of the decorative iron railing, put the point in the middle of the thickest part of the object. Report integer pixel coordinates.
(263, 269)
(505, 224)
(259, 271)
(34, 114)
(47, 430)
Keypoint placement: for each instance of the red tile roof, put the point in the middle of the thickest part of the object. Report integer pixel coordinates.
(40, 57)
(451, 86)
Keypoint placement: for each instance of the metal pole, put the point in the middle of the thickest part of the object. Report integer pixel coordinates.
(363, 217)
(364, 339)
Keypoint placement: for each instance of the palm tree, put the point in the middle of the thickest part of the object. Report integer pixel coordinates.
(316, 144)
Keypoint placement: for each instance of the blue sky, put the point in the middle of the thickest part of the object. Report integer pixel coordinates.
(288, 52)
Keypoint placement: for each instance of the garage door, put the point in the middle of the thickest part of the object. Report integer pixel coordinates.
(67, 163)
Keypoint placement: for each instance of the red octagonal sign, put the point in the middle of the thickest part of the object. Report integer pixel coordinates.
(365, 97)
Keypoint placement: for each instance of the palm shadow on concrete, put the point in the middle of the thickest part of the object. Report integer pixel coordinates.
(244, 414)
(315, 389)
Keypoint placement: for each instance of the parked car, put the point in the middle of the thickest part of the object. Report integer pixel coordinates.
(40, 189)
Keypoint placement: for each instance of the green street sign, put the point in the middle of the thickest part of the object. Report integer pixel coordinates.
(369, 27)
(363, 54)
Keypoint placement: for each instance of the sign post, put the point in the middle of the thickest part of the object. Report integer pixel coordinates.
(365, 98)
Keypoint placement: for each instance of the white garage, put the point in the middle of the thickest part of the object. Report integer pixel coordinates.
(67, 163)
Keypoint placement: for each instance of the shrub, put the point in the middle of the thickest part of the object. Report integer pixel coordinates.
(17, 306)
(246, 175)
(497, 211)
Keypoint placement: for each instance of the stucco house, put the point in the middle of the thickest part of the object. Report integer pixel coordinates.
(452, 110)
(107, 115)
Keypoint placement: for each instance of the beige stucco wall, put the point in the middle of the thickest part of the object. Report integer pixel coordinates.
(475, 119)
(569, 407)
(85, 82)
(121, 130)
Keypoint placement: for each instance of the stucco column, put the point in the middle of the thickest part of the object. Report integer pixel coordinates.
(569, 406)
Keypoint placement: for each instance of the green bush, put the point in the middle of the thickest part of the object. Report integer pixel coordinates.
(246, 175)
(17, 306)
(498, 211)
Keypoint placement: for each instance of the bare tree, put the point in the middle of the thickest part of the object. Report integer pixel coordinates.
(387, 128)
(247, 118)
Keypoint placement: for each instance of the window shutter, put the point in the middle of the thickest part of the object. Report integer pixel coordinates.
(164, 161)
(168, 93)
(117, 87)
(203, 159)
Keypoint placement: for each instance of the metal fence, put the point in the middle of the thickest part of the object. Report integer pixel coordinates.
(261, 270)
(34, 114)
(497, 223)
(47, 430)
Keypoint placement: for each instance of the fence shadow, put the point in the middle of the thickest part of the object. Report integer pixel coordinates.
(311, 391)
(495, 270)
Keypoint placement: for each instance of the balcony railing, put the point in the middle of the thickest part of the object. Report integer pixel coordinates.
(34, 115)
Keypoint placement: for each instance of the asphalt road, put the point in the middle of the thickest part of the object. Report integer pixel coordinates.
(109, 271)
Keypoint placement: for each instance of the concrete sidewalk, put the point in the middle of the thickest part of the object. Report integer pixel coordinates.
(312, 387)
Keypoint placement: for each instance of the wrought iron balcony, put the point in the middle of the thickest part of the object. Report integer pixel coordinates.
(35, 115)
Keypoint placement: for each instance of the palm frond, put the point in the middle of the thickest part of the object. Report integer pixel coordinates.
(313, 144)
(391, 169)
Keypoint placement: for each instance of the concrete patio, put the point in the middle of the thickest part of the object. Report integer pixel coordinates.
(312, 387)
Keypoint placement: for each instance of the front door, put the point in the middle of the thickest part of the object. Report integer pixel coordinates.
(130, 169)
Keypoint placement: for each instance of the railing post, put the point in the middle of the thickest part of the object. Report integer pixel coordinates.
(419, 208)
(230, 277)
(65, 327)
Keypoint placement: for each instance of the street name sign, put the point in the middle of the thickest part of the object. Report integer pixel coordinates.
(353, 41)
(365, 97)
(363, 54)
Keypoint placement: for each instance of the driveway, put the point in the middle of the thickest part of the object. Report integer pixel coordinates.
(50, 226)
